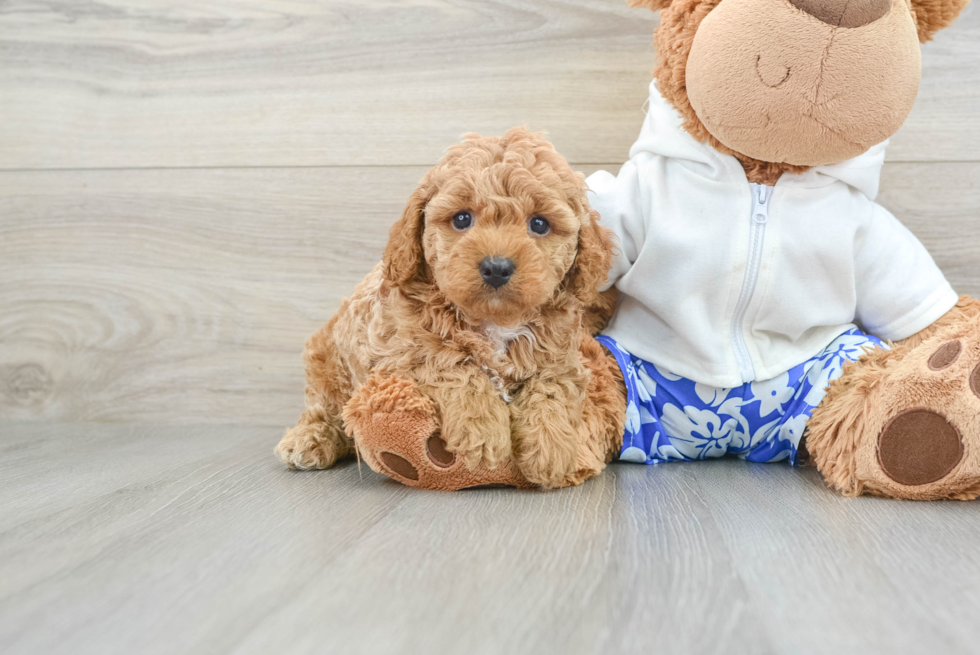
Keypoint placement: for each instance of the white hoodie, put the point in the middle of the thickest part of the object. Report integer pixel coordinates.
(724, 282)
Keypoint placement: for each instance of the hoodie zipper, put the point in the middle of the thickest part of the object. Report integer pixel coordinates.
(757, 236)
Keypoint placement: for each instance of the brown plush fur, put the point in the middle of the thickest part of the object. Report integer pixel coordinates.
(506, 377)
(934, 15)
(843, 431)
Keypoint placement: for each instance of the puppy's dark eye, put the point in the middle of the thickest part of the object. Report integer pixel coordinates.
(462, 220)
(539, 226)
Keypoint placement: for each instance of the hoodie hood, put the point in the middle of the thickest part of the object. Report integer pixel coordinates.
(663, 134)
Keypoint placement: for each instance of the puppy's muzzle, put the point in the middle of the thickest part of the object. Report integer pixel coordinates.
(497, 271)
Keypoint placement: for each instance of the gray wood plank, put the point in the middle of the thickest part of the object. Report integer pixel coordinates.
(159, 541)
(203, 284)
(176, 296)
(625, 565)
(941, 205)
(228, 551)
(849, 576)
(208, 545)
(337, 82)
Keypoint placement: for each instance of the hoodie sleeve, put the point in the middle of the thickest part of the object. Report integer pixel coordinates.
(617, 199)
(900, 290)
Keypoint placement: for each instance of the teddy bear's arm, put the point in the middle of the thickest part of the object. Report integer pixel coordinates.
(966, 309)
(618, 202)
(900, 289)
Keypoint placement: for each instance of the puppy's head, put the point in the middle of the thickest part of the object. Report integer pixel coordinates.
(502, 227)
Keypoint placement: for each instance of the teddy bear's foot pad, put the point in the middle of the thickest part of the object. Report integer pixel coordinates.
(402, 452)
(925, 411)
(400, 466)
(435, 451)
(905, 423)
(919, 446)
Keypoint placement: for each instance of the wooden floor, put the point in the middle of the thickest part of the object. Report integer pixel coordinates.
(189, 188)
(122, 539)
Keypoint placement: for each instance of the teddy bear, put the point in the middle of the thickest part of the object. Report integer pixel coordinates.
(771, 310)
(768, 308)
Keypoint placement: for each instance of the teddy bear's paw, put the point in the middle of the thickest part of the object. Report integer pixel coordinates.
(311, 446)
(397, 434)
(410, 449)
(926, 420)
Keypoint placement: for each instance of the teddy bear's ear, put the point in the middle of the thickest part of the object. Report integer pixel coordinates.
(404, 259)
(934, 15)
(652, 5)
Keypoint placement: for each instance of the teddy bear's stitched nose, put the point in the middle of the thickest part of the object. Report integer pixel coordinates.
(497, 271)
(845, 13)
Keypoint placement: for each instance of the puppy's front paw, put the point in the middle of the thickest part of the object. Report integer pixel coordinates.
(479, 434)
(547, 448)
(310, 447)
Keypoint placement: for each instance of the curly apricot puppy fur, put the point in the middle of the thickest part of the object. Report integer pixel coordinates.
(474, 328)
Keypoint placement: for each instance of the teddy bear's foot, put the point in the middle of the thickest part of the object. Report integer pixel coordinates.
(905, 423)
(396, 432)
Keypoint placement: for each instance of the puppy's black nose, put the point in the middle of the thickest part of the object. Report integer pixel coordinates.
(496, 271)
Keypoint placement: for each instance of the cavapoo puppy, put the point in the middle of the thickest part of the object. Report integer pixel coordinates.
(472, 338)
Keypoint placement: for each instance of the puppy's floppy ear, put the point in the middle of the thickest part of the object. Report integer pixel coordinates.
(933, 15)
(404, 259)
(592, 262)
(652, 5)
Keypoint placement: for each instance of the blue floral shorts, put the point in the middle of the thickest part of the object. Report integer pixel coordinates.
(671, 419)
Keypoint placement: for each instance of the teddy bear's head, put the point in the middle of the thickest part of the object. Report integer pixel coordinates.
(788, 84)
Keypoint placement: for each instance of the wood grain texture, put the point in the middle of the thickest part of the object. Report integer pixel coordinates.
(178, 293)
(941, 205)
(209, 180)
(185, 296)
(122, 539)
(816, 558)
(118, 83)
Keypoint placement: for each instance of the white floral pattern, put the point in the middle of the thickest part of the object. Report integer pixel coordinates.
(647, 388)
(669, 418)
(772, 394)
(698, 433)
(709, 395)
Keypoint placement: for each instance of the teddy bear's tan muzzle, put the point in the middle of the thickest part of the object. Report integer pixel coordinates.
(798, 82)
